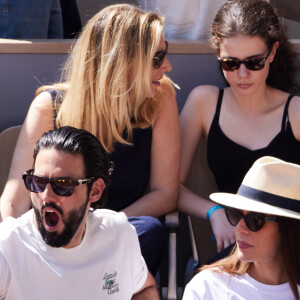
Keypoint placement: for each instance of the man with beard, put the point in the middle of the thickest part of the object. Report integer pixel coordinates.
(62, 248)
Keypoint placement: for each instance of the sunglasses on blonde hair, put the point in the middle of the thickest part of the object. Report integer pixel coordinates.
(61, 186)
(252, 64)
(159, 57)
(254, 221)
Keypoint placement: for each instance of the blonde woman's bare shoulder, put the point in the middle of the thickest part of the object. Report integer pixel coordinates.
(41, 110)
(42, 100)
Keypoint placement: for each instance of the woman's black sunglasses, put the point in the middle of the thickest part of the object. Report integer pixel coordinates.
(62, 186)
(254, 221)
(252, 64)
(159, 57)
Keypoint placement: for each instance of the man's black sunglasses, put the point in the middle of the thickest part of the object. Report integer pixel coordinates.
(159, 57)
(254, 221)
(252, 64)
(61, 186)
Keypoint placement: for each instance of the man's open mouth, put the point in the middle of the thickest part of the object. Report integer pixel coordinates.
(51, 218)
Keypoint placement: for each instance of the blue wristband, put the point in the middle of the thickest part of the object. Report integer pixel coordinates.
(211, 210)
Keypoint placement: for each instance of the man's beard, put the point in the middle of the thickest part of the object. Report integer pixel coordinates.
(72, 221)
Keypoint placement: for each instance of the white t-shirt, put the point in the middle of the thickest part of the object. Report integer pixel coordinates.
(210, 285)
(106, 265)
(188, 19)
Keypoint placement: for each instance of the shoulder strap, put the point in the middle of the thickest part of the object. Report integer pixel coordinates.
(56, 97)
(219, 103)
(285, 116)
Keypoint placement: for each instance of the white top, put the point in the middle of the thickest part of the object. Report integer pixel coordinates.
(211, 285)
(188, 19)
(106, 265)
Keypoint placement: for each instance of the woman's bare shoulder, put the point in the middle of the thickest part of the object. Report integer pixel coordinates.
(294, 116)
(202, 99)
(204, 92)
(295, 101)
(294, 108)
(42, 100)
(41, 111)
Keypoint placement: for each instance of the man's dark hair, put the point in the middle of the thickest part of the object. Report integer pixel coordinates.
(78, 141)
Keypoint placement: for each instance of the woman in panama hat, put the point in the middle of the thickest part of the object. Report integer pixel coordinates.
(265, 262)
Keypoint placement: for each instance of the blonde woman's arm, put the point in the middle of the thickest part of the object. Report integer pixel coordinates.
(15, 198)
(195, 121)
(165, 152)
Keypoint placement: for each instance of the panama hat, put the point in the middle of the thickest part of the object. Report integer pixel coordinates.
(271, 186)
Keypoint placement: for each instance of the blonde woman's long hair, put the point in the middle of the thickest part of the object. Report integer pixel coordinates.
(106, 79)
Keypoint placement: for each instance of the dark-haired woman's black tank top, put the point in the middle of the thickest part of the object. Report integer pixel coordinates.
(229, 161)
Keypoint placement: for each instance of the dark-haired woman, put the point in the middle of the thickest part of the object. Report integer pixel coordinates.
(254, 116)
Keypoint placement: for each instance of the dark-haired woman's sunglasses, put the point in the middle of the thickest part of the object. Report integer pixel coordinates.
(254, 221)
(159, 57)
(252, 64)
(62, 186)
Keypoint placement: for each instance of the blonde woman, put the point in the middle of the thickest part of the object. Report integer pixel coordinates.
(114, 86)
